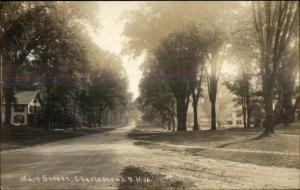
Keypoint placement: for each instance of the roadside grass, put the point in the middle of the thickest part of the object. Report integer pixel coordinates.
(263, 159)
(281, 149)
(147, 180)
(21, 137)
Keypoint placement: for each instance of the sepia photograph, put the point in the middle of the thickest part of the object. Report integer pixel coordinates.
(149, 95)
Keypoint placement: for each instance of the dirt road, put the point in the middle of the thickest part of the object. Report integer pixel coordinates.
(96, 162)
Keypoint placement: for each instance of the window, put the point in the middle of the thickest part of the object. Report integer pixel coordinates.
(20, 119)
(19, 108)
(228, 115)
(239, 114)
(239, 122)
(35, 109)
(31, 109)
(229, 122)
(39, 109)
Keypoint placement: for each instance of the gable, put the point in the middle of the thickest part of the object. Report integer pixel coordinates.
(35, 101)
(25, 97)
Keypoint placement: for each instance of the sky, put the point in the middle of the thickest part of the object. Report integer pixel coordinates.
(109, 37)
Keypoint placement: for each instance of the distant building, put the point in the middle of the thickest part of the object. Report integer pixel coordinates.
(232, 119)
(26, 109)
(204, 122)
(229, 119)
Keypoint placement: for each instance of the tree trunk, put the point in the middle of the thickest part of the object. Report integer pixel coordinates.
(74, 110)
(95, 117)
(212, 92)
(9, 97)
(162, 121)
(195, 111)
(196, 124)
(181, 114)
(7, 118)
(248, 108)
(244, 114)
(269, 113)
(100, 122)
(296, 106)
(169, 124)
(213, 116)
(101, 111)
(287, 105)
(10, 71)
(173, 124)
(248, 117)
(89, 116)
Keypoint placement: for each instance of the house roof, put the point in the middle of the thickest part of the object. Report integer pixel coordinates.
(25, 97)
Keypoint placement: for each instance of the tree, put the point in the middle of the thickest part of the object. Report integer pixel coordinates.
(244, 96)
(146, 27)
(29, 29)
(274, 23)
(163, 19)
(216, 53)
(156, 99)
(237, 87)
(178, 58)
(197, 93)
(243, 52)
(106, 87)
(286, 80)
(48, 44)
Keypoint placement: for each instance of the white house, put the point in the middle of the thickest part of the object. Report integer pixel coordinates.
(204, 122)
(25, 108)
(229, 119)
(232, 119)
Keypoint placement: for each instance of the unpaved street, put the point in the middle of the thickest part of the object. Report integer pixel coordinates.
(108, 154)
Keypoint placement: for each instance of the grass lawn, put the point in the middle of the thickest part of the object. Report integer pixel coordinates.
(148, 181)
(21, 137)
(236, 144)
